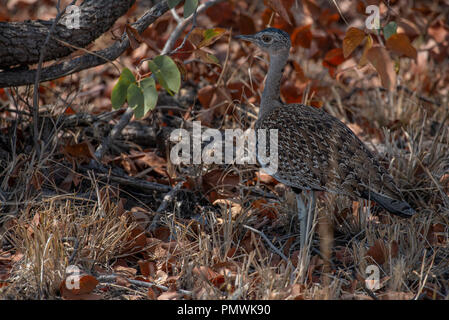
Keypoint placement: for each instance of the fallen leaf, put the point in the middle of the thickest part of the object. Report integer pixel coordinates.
(380, 59)
(400, 44)
(302, 36)
(333, 59)
(84, 284)
(353, 38)
(135, 39)
(170, 295)
(278, 7)
(368, 44)
(82, 151)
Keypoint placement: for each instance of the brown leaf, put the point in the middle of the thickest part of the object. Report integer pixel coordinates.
(436, 234)
(400, 44)
(378, 251)
(302, 36)
(246, 24)
(170, 295)
(223, 183)
(86, 284)
(439, 31)
(344, 255)
(151, 294)
(353, 38)
(382, 62)
(395, 295)
(150, 159)
(205, 95)
(278, 7)
(299, 72)
(33, 225)
(221, 12)
(135, 39)
(125, 271)
(207, 57)
(239, 90)
(69, 110)
(162, 233)
(210, 36)
(333, 59)
(183, 53)
(265, 209)
(311, 8)
(136, 241)
(368, 44)
(83, 150)
(210, 275)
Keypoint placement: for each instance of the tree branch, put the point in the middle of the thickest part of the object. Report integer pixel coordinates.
(89, 60)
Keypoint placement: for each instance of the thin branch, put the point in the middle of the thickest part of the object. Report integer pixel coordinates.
(183, 25)
(163, 206)
(38, 75)
(113, 277)
(114, 134)
(273, 247)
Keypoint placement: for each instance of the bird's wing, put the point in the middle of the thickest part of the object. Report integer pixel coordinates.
(317, 151)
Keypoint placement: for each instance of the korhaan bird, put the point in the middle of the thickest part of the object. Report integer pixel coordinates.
(316, 151)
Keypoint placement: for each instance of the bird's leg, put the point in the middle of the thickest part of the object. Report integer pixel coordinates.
(311, 212)
(305, 216)
(302, 217)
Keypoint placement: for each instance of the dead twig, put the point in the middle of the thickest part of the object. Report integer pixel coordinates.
(182, 24)
(38, 76)
(272, 246)
(113, 277)
(163, 206)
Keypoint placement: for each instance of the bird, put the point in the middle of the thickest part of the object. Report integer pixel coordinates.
(316, 151)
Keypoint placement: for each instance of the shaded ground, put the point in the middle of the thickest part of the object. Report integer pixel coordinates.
(66, 209)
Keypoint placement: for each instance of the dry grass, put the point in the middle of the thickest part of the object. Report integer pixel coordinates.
(208, 253)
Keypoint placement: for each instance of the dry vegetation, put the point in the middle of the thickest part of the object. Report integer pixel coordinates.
(226, 232)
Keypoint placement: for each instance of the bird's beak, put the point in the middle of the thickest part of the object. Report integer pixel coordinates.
(248, 37)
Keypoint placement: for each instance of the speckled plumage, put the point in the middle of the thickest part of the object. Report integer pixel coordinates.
(319, 152)
(316, 150)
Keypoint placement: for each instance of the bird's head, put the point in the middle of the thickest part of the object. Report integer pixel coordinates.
(272, 40)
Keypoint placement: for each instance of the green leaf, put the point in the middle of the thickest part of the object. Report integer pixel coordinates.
(390, 29)
(173, 3)
(119, 92)
(189, 7)
(148, 86)
(166, 73)
(135, 96)
(210, 36)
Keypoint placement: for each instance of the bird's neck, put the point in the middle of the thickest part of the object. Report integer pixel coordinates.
(271, 92)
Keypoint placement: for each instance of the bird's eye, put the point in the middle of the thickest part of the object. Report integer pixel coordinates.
(266, 39)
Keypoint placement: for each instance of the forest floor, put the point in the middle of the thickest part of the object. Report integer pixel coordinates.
(138, 226)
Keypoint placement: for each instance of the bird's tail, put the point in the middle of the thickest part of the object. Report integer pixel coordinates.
(397, 207)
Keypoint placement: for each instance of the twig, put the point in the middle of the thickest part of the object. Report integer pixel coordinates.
(260, 233)
(113, 277)
(443, 194)
(163, 206)
(182, 25)
(75, 247)
(37, 78)
(399, 87)
(136, 183)
(115, 132)
(370, 293)
(124, 179)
